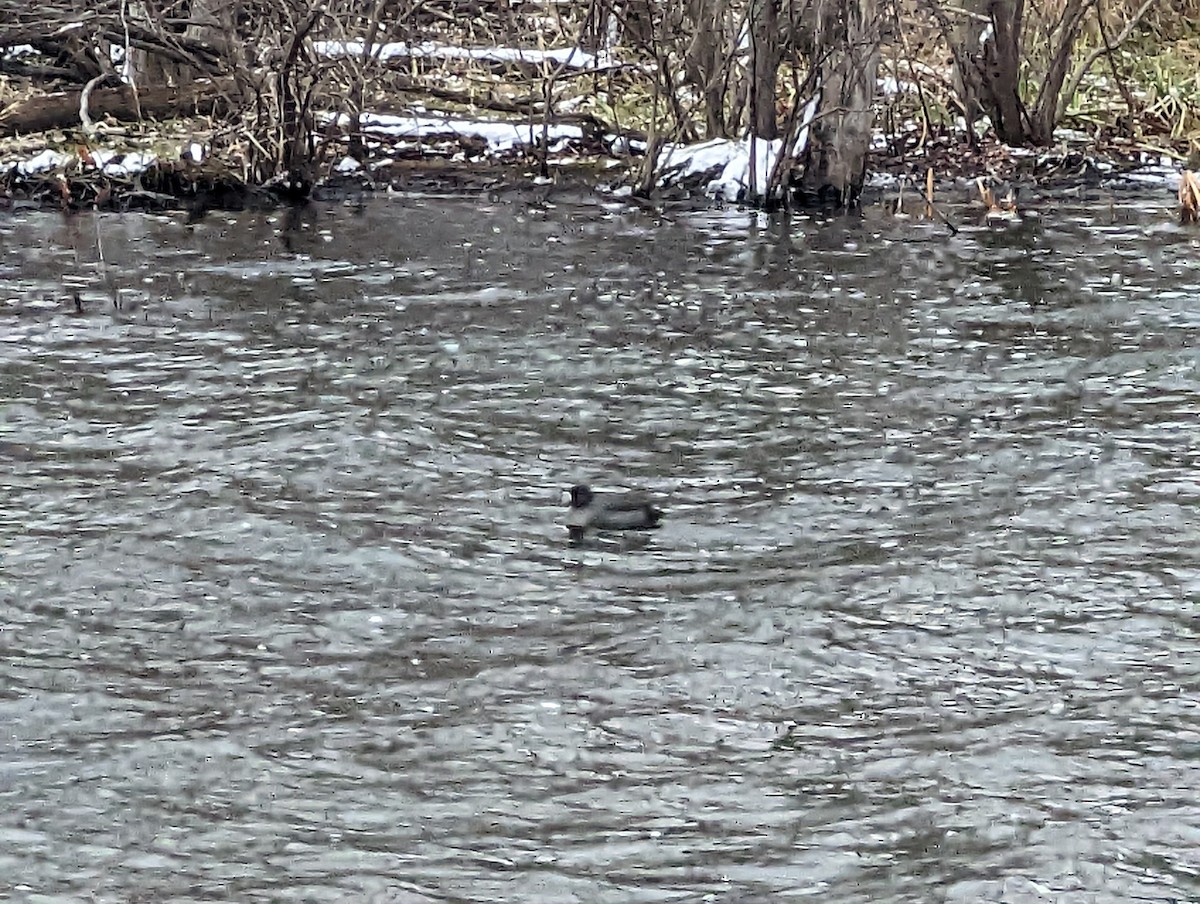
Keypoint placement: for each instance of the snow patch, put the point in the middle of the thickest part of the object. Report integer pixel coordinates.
(104, 160)
(889, 86)
(731, 161)
(569, 57)
(621, 146)
(44, 162)
(500, 136)
(120, 163)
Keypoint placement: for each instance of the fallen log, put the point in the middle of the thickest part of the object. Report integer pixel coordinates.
(60, 110)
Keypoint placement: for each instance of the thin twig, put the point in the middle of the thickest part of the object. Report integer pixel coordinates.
(1108, 47)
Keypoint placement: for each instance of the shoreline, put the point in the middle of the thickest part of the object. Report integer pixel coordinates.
(166, 168)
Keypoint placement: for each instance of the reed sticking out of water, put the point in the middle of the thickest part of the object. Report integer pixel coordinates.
(1189, 197)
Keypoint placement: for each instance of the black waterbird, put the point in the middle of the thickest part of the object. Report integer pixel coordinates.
(593, 511)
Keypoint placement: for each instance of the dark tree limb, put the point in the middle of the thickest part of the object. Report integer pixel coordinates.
(294, 109)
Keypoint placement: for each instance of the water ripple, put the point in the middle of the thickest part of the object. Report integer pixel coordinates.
(290, 615)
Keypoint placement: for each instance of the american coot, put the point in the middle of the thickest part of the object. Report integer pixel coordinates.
(591, 511)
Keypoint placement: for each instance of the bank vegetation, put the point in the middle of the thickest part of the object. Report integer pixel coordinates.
(278, 93)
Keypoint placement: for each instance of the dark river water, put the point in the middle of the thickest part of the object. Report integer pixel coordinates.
(288, 611)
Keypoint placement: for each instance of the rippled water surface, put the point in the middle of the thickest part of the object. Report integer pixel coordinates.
(287, 610)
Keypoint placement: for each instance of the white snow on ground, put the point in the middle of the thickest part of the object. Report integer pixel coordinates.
(108, 162)
(500, 136)
(732, 158)
(890, 85)
(728, 162)
(117, 163)
(571, 57)
(43, 163)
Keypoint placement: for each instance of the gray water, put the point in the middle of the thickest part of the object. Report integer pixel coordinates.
(289, 612)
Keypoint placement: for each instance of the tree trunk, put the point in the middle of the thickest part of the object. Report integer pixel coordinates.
(764, 50)
(1001, 70)
(356, 148)
(705, 60)
(1048, 106)
(988, 60)
(212, 24)
(846, 54)
(987, 47)
(965, 39)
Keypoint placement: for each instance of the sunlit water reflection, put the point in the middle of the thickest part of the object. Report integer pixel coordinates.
(290, 615)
